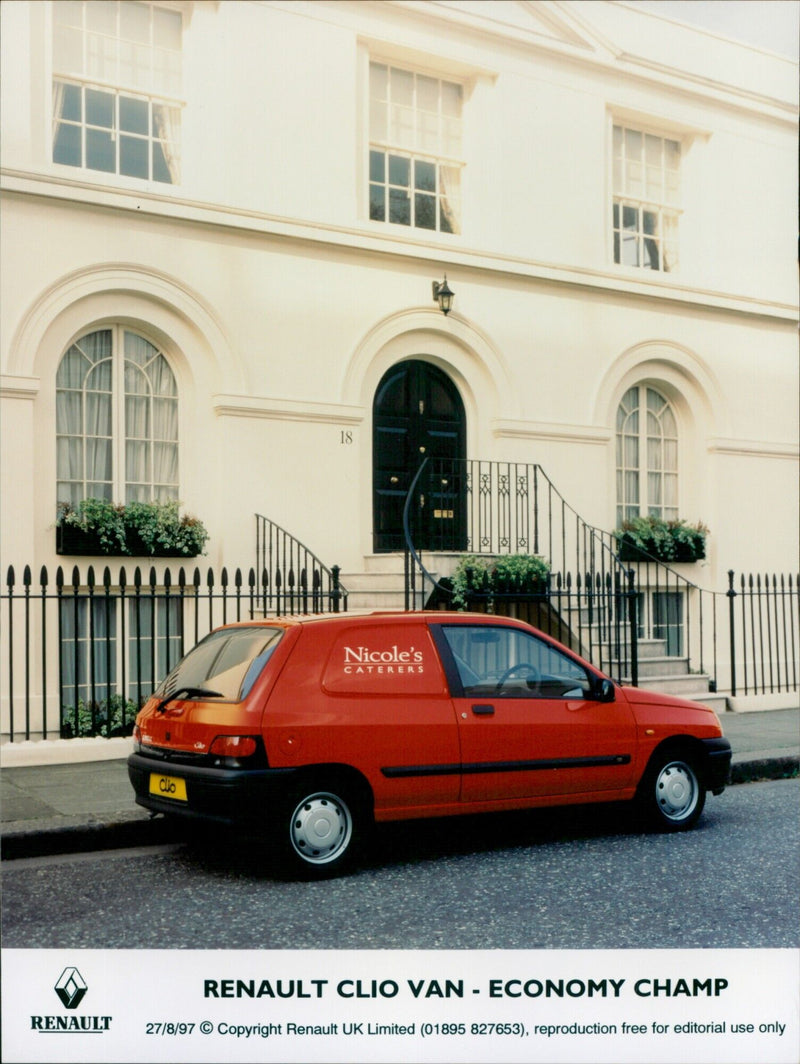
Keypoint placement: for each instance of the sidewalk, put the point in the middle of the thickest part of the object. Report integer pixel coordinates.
(66, 808)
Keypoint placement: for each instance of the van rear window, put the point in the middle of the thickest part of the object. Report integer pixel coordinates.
(228, 661)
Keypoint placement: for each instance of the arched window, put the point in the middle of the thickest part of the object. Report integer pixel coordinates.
(647, 456)
(116, 420)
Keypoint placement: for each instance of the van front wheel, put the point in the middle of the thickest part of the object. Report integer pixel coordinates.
(671, 794)
(321, 829)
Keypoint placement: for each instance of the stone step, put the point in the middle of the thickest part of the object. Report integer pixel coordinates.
(377, 599)
(717, 702)
(648, 648)
(380, 585)
(652, 648)
(360, 582)
(662, 666)
(686, 685)
(384, 563)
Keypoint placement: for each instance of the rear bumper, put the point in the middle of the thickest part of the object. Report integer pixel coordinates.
(718, 764)
(223, 795)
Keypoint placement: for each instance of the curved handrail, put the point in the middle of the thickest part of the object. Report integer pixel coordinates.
(407, 531)
(280, 553)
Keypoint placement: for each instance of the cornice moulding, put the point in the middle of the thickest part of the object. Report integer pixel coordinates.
(275, 409)
(753, 448)
(708, 88)
(594, 50)
(545, 430)
(12, 387)
(368, 241)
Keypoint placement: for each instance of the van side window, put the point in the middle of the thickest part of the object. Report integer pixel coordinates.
(498, 662)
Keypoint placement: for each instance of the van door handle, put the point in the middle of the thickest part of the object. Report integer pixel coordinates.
(483, 711)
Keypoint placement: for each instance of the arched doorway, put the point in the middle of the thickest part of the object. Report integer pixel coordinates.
(417, 414)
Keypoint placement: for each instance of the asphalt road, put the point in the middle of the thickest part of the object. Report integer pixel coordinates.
(576, 879)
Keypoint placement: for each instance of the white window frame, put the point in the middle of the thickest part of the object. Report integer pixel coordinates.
(390, 146)
(656, 246)
(643, 470)
(155, 87)
(662, 616)
(120, 487)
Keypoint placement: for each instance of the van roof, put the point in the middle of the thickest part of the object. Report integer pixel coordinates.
(430, 616)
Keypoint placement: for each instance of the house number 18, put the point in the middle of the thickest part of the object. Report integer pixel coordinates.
(346, 436)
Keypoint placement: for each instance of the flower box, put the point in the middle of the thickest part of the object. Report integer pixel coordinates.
(629, 552)
(648, 539)
(73, 540)
(70, 539)
(139, 530)
(514, 576)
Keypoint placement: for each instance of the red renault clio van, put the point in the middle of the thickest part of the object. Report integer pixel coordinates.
(309, 729)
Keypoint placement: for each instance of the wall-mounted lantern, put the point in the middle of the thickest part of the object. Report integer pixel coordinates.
(443, 296)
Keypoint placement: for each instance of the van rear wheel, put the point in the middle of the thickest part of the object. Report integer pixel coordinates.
(321, 827)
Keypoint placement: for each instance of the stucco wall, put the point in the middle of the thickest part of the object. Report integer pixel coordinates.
(280, 305)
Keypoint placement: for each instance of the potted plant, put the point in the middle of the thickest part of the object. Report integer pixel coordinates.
(487, 577)
(148, 529)
(654, 539)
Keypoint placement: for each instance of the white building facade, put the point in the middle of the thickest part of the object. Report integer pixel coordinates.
(221, 224)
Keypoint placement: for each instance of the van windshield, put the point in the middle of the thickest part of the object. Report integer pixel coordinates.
(228, 662)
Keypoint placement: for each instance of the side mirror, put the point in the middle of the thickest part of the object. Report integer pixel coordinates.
(605, 691)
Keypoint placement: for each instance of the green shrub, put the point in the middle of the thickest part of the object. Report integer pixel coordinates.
(113, 718)
(100, 518)
(158, 526)
(489, 575)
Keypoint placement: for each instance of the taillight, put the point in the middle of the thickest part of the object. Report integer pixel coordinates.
(137, 738)
(237, 746)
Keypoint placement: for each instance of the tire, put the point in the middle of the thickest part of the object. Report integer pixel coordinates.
(671, 794)
(321, 827)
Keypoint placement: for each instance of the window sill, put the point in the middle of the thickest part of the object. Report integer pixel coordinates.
(634, 273)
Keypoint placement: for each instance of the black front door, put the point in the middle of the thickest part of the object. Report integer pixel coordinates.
(418, 414)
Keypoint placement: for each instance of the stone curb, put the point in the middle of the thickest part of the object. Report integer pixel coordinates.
(127, 830)
(768, 768)
(86, 837)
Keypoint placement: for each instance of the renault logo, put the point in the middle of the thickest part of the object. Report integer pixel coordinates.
(70, 988)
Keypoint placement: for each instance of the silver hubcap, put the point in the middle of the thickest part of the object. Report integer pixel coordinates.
(676, 790)
(321, 828)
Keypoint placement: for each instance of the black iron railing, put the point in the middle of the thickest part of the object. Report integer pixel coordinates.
(476, 507)
(293, 579)
(763, 620)
(497, 508)
(615, 613)
(594, 616)
(678, 614)
(484, 507)
(81, 652)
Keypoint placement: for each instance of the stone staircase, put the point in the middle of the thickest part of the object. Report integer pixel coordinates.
(657, 670)
(660, 672)
(380, 585)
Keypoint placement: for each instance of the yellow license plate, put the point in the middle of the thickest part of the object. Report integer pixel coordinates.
(168, 787)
